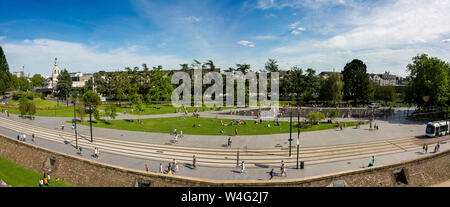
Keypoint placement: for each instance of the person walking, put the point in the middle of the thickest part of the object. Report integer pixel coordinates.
(229, 142)
(146, 167)
(426, 148)
(175, 166)
(283, 169)
(438, 146)
(41, 183)
(161, 168)
(175, 131)
(235, 131)
(423, 148)
(169, 169)
(46, 181)
(373, 160)
(242, 167)
(32, 137)
(81, 150)
(271, 173)
(194, 161)
(48, 178)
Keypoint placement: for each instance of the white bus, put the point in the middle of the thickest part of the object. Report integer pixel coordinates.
(437, 128)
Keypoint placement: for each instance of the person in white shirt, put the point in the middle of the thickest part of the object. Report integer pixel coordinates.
(160, 168)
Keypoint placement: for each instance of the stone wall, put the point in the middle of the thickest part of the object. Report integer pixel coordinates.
(423, 171)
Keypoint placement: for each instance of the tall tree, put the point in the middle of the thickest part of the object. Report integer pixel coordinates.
(331, 88)
(210, 65)
(64, 85)
(271, 66)
(244, 68)
(92, 100)
(356, 81)
(23, 84)
(430, 81)
(37, 80)
(5, 75)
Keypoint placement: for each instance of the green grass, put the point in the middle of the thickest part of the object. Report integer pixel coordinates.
(208, 126)
(59, 112)
(154, 109)
(17, 176)
(40, 103)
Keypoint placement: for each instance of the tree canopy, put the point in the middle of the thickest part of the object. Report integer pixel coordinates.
(356, 81)
(430, 81)
(5, 75)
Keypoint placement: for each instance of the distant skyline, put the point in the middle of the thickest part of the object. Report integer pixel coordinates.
(319, 34)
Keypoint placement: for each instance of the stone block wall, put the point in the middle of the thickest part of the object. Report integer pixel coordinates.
(424, 171)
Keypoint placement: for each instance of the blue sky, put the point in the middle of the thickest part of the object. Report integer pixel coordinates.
(88, 36)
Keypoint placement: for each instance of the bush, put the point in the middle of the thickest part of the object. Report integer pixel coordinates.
(17, 95)
(315, 117)
(42, 96)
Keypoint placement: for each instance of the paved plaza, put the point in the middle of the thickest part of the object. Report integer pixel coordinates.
(390, 130)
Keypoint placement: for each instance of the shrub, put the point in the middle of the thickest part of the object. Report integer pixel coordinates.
(315, 117)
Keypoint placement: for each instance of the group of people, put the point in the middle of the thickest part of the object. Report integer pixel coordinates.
(23, 137)
(5, 111)
(282, 171)
(436, 148)
(45, 180)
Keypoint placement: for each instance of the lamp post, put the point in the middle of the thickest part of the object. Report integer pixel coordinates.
(298, 137)
(75, 121)
(290, 133)
(90, 120)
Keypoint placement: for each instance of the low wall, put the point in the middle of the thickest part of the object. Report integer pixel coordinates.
(424, 171)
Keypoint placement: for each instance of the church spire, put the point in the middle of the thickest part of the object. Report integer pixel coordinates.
(56, 63)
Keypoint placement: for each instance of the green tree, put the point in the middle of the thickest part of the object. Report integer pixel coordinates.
(331, 88)
(332, 114)
(37, 80)
(356, 81)
(430, 77)
(271, 66)
(24, 84)
(92, 100)
(64, 85)
(111, 111)
(5, 75)
(315, 117)
(385, 93)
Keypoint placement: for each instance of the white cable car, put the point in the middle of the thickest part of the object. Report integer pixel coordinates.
(437, 128)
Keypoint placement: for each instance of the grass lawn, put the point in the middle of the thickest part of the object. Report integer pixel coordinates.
(59, 112)
(17, 176)
(208, 126)
(40, 103)
(154, 109)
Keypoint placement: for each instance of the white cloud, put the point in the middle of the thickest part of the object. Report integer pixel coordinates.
(38, 56)
(246, 43)
(446, 41)
(280, 4)
(295, 32)
(301, 29)
(2, 38)
(265, 37)
(192, 19)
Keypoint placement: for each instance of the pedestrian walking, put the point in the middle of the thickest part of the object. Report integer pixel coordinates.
(235, 131)
(169, 169)
(229, 142)
(46, 181)
(271, 173)
(373, 159)
(194, 161)
(242, 167)
(161, 168)
(48, 178)
(175, 166)
(175, 131)
(41, 183)
(283, 169)
(146, 167)
(438, 146)
(426, 148)
(423, 148)
(32, 137)
(81, 150)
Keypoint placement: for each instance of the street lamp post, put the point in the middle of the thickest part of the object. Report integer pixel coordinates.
(298, 137)
(290, 133)
(90, 120)
(75, 121)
